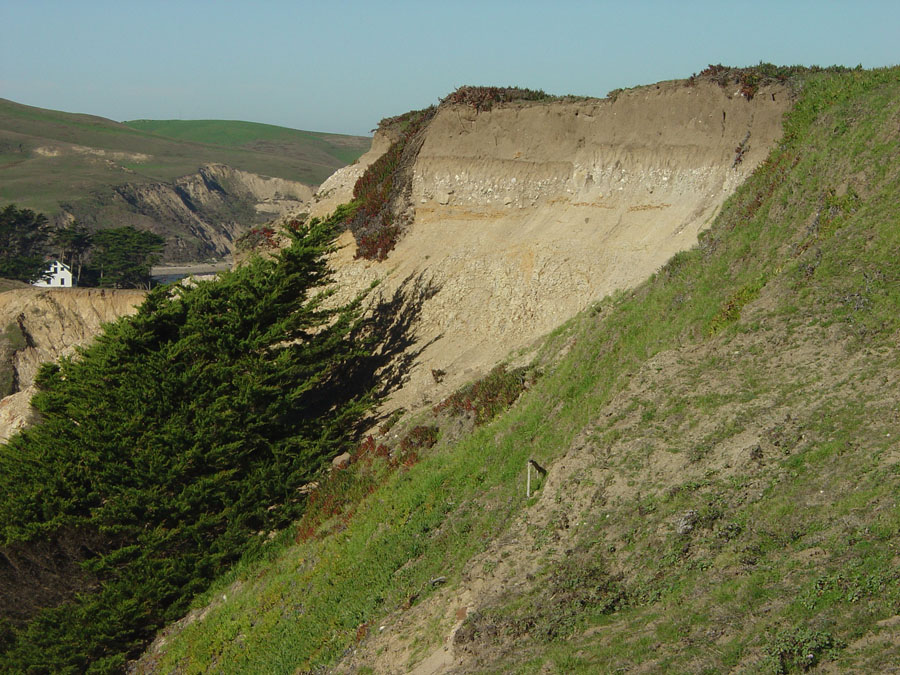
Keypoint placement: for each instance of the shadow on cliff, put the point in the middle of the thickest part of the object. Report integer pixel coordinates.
(389, 330)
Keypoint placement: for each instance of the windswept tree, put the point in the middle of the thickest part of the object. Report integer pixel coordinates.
(165, 447)
(23, 239)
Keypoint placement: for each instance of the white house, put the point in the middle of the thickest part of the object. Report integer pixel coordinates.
(57, 275)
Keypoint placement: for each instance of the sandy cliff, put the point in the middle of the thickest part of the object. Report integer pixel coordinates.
(525, 214)
(522, 216)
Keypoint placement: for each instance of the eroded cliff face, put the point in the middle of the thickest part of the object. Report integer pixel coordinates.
(525, 214)
(200, 215)
(39, 325)
(521, 217)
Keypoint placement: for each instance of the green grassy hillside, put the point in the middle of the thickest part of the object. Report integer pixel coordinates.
(261, 137)
(722, 446)
(48, 157)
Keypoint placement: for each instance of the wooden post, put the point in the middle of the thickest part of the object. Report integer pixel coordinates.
(537, 467)
(528, 489)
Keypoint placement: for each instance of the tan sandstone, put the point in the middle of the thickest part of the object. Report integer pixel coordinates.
(526, 214)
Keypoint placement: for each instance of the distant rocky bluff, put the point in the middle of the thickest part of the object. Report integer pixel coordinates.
(199, 215)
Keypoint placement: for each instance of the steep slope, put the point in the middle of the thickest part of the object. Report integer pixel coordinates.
(40, 325)
(197, 194)
(722, 466)
(524, 214)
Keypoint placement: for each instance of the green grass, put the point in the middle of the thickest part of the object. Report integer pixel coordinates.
(253, 135)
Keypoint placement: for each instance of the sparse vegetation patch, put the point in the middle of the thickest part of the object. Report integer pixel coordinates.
(489, 396)
(376, 224)
(751, 78)
(483, 98)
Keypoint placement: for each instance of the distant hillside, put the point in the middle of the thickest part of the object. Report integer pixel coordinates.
(281, 141)
(107, 174)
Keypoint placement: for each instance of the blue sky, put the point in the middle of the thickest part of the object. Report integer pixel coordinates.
(341, 66)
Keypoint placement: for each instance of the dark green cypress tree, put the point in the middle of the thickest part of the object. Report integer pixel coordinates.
(164, 446)
(122, 257)
(23, 238)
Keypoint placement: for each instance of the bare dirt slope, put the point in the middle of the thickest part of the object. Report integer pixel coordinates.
(40, 325)
(527, 213)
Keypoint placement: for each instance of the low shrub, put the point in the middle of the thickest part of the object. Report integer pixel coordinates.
(731, 308)
(340, 492)
(256, 239)
(799, 650)
(751, 78)
(484, 98)
(489, 396)
(419, 438)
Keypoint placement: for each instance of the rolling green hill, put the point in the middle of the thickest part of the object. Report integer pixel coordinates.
(47, 156)
(106, 174)
(254, 136)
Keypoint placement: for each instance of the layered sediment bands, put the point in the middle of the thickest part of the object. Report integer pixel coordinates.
(40, 325)
(664, 140)
(528, 212)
